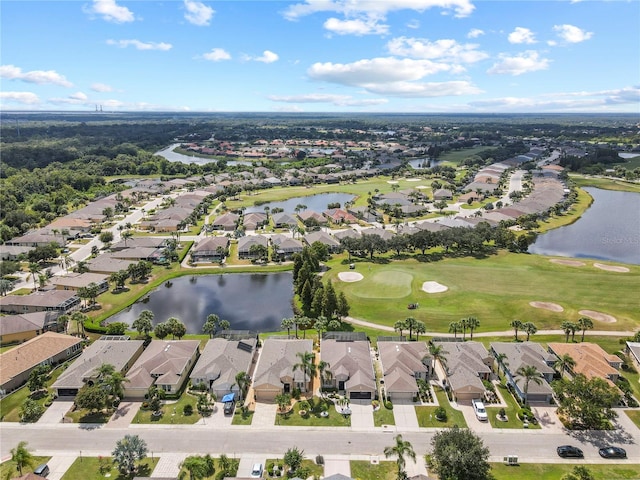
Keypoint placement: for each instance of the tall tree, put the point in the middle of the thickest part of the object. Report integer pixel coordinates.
(324, 372)
(516, 325)
(585, 323)
(568, 328)
(21, 456)
(472, 324)
(128, 451)
(306, 365)
(144, 322)
(529, 328)
(437, 353)
(454, 327)
(587, 403)
(287, 323)
(529, 373)
(211, 324)
(293, 459)
(401, 449)
(460, 454)
(565, 362)
(243, 380)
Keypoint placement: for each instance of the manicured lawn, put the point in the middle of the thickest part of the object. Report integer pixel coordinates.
(184, 473)
(383, 416)
(583, 202)
(10, 466)
(81, 415)
(495, 289)
(427, 417)
(240, 418)
(172, 413)
(381, 471)
(605, 183)
(88, 468)
(634, 415)
(315, 471)
(548, 471)
(511, 411)
(313, 418)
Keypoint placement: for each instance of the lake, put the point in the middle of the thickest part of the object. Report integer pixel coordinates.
(317, 203)
(608, 230)
(248, 301)
(172, 156)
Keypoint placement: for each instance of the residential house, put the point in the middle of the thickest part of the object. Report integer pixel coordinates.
(284, 220)
(38, 238)
(50, 348)
(403, 363)
(139, 242)
(75, 281)
(221, 361)
(74, 226)
(211, 249)
(275, 373)
(381, 232)
(107, 264)
(23, 327)
(365, 214)
(351, 367)
(348, 233)
(13, 252)
(45, 301)
(633, 349)
(332, 244)
(227, 222)
(519, 355)
(119, 352)
(442, 194)
(466, 365)
(254, 220)
(165, 364)
(339, 216)
(591, 360)
(311, 218)
(286, 247)
(245, 244)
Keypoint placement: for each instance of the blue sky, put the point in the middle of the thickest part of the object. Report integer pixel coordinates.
(414, 56)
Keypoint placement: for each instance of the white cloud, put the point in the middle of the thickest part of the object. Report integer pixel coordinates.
(26, 98)
(40, 77)
(572, 34)
(522, 35)
(78, 98)
(358, 27)
(139, 45)
(475, 33)
(267, 57)
(428, 89)
(110, 11)
(101, 87)
(338, 100)
(529, 61)
(198, 13)
(217, 55)
(379, 8)
(444, 49)
(413, 24)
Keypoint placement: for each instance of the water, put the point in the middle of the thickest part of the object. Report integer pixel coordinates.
(172, 156)
(317, 203)
(608, 230)
(248, 301)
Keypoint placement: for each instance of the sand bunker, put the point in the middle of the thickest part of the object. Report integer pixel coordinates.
(554, 307)
(422, 187)
(392, 182)
(610, 268)
(599, 316)
(434, 287)
(414, 179)
(571, 263)
(350, 276)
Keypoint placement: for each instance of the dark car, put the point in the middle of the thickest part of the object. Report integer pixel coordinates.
(42, 470)
(612, 452)
(569, 451)
(228, 407)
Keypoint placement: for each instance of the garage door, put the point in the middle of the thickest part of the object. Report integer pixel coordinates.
(360, 395)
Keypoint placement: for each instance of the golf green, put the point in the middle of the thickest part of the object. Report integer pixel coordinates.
(383, 284)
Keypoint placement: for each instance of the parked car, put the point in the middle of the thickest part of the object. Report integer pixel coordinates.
(42, 470)
(256, 471)
(228, 407)
(480, 411)
(569, 451)
(612, 452)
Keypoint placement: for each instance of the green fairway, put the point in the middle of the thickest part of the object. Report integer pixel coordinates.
(496, 290)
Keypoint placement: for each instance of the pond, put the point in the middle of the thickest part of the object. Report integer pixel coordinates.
(608, 230)
(248, 301)
(317, 203)
(172, 156)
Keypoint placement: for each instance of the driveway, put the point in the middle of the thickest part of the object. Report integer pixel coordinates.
(56, 412)
(124, 415)
(247, 461)
(470, 417)
(336, 464)
(264, 415)
(59, 464)
(169, 465)
(361, 415)
(218, 418)
(404, 414)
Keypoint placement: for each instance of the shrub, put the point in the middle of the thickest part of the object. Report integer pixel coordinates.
(188, 410)
(502, 413)
(388, 405)
(441, 414)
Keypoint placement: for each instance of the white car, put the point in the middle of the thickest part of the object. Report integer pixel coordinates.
(256, 471)
(480, 411)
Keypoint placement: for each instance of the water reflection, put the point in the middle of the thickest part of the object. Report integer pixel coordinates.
(248, 301)
(317, 203)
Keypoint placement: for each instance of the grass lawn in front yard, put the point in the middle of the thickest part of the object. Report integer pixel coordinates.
(427, 417)
(511, 410)
(242, 418)
(10, 466)
(634, 415)
(233, 470)
(549, 471)
(88, 468)
(370, 471)
(312, 418)
(383, 416)
(82, 415)
(315, 471)
(171, 412)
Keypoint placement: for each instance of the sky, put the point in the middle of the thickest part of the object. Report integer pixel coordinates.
(411, 56)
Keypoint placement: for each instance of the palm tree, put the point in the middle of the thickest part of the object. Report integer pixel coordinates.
(437, 353)
(211, 325)
(464, 324)
(307, 365)
(516, 325)
(129, 450)
(565, 362)
(400, 450)
(324, 372)
(399, 326)
(243, 380)
(568, 328)
(410, 323)
(420, 328)
(501, 359)
(585, 323)
(529, 373)
(126, 236)
(34, 270)
(530, 329)
(21, 456)
(454, 327)
(287, 323)
(472, 324)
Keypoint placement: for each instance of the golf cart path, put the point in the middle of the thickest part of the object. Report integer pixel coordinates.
(504, 333)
